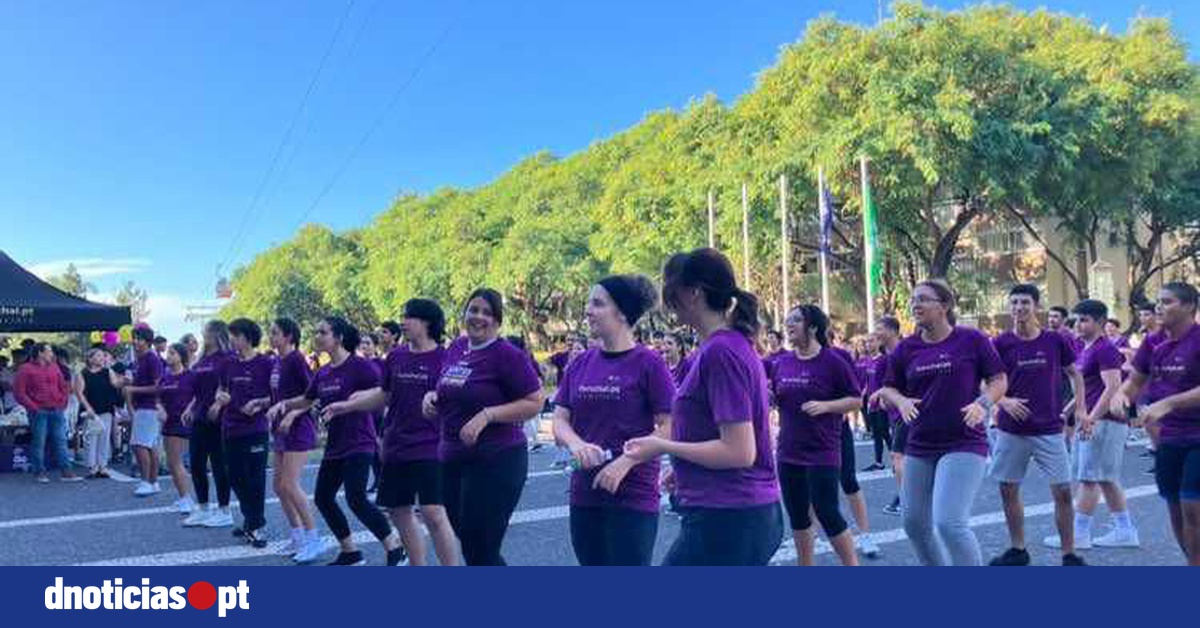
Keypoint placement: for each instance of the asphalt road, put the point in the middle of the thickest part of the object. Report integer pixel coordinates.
(101, 522)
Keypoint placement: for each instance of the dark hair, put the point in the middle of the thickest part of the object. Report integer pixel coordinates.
(61, 354)
(776, 334)
(159, 340)
(429, 311)
(891, 322)
(1028, 290)
(633, 295)
(342, 328)
(711, 272)
(1147, 306)
(1185, 292)
(1096, 310)
(816, 321)
(374, 338)
(1062, 311)
(290, 329)
(182, 350)
(945, 294)
(494, 301)
(247, 329)
(392, 326)
(145, 334)
(518, 342)
(1114, 322)
(35, 350)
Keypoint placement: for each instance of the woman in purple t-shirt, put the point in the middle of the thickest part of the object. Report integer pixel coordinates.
(488, 388)
(720, 442)
(814, 388)
(1168, 372)
(340, 393)
(933, 379)
(675, 352)
(206, 447)
(608, 395)
(175, 394)
(294, 435)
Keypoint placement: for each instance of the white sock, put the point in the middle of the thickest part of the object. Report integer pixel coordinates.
(1122, 521)
(312, 535)
(1083, 524)
(298, 535)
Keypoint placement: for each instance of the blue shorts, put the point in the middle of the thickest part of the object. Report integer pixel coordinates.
(1177, 472)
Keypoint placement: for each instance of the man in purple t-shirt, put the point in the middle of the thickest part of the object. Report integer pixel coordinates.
(142, 394)
(1101, 435)
(1030, 424)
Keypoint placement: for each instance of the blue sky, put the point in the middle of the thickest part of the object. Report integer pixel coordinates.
(134, 134)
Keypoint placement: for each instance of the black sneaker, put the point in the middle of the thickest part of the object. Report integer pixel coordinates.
(893, 508)
(1012, 557)
(397, 557)
(1072, 560)
(348, 559)
(1152, 471)
(238, 532)
(1146, 454)
(874, 466)
(255, 538)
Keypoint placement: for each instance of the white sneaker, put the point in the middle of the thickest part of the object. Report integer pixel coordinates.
(290, 547)
(199, 517)
(866, 546)
(310, 552)
(184, 505)
(219, 519)
(145, 489)
(1117, 537)
(1082, 541)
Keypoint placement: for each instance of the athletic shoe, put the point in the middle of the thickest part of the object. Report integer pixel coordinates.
(1071, 560)
(256, 538)
(199, 517)
(348, 559)
(1117, 537)
(874, 466)
(866, 546)
(68, 476)
(1082, 542)
(892, 508)
(145, 489)
(1146, 454)
(184, 505)
(218, 519)
(42, 478)
(94, 475)
(1152, 471)
(238, 532)
(311, 551)
(289, 547)
(536, 447)
(397, 557)
(102, 474)
(1012, 557)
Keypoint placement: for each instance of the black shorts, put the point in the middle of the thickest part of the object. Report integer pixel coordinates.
(1177, 472)
(410, 483)
(899, 437)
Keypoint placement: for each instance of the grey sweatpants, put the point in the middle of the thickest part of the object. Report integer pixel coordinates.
(937, 495)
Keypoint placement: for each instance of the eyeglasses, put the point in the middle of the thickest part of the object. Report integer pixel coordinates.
(921, 298)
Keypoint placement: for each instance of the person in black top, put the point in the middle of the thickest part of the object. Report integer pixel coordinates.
(100, 395)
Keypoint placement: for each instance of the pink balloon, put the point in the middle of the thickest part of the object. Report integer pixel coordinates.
(111, 338)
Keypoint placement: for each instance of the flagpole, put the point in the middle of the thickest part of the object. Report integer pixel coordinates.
(745, 239)
(824, 253)
(712, 235)
(783, 243)
(868, 245)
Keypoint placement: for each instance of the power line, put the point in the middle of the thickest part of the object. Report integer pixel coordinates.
(240, 235)
(395, 98)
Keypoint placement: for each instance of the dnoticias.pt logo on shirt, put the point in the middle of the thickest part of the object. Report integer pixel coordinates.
(115, 595)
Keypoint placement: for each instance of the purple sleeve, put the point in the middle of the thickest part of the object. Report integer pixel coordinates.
(518, 378)
(385, 370)
(310, 393)
(368, 377)
(1066, 352)
(563, 396)
(893, 373)
(1142, 359)
(846, 382)
(728, 384)
(990, 363)
(1110, 358)
(660, 386)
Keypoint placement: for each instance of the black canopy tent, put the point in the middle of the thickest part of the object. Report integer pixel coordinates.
(28, 304)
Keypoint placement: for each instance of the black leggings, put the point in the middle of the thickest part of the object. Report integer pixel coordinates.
(804, 486)
(480, 496)
(246, 457)
(849, 476)
(613, 536)
(207, 450)
(880, 433)
(719, 537)
(352, 472)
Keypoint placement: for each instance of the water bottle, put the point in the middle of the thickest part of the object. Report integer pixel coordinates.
(574, 465)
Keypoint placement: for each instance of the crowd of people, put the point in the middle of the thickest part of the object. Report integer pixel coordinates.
(736, 425)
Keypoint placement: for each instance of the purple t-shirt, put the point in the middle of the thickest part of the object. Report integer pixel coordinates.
(726, 384)
(559, 362)
(1173, 367)
(410, 436)
(680, 370)
(207, 374)
(353, 432)
(148, 371)
(804, 439)
(881, 366)
(864, 370)
(246, 380)
(175, 392)
(613, 398)
(1096, 358)
(290, 377)
(946, 377)
(476, 379)
(771, 359)
(1035, 374)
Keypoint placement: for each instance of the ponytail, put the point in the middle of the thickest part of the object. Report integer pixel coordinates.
(744, 316)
